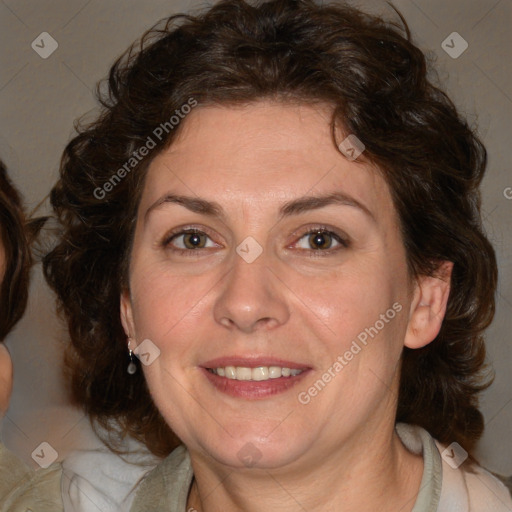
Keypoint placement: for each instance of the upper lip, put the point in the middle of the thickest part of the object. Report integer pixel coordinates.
(253, 362)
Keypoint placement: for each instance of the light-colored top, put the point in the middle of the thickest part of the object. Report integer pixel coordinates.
(107, 483)
(22, 489)
(443, 488)
(100, 480)
(94, 480)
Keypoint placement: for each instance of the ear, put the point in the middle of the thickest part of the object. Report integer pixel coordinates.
(428, 307)
(127, 314)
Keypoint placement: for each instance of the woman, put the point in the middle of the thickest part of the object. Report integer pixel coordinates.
(278, 214)
(20, 487)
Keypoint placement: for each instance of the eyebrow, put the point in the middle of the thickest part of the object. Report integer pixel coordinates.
(294, 207)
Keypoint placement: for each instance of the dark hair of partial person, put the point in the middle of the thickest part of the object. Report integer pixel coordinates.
(296, 51)
(15, 239)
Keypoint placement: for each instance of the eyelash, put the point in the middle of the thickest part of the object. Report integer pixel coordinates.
(344, 243)
(342, 240)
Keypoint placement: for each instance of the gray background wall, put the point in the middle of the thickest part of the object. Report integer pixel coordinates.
(40, 99)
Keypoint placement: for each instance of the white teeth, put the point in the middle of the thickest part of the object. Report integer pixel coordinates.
(230, 372)
(258, 374)
(243, 373)
(274, 372)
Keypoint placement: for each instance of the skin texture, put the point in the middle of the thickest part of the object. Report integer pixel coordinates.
(5, 359)
(290, 303)
(5, 379)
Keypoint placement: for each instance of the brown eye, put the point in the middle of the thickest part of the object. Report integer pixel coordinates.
(320, 240)
(194, 240)
(188, 240)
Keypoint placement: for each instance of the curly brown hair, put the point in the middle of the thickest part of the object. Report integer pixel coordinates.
(375, 79)
(15, 241)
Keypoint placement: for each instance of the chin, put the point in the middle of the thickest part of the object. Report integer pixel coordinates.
(253, 451)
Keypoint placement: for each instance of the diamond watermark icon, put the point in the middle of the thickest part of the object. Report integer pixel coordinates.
(249, 249)
(147, 352)
(454, 455)
(454, 45)
(45, 455)
(249, 455)
(44, 45)
(351, 147)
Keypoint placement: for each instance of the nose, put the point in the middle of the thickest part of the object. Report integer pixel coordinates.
(251, 298)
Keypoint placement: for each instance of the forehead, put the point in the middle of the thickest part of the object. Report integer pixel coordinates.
(265, 153)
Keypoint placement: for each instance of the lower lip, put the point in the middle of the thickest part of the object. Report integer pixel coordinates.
(253, 389)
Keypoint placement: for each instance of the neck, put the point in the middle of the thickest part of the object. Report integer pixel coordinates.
(377, 474)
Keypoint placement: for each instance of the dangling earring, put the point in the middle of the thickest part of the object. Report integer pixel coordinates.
(132, 367)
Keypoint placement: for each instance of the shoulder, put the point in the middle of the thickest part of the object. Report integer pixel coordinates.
(166, 487)
(470, 486)
(485, 490)
(103, 477)
(457, 485)
(22, 488)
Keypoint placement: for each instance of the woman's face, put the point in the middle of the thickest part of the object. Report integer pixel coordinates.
(252, 292)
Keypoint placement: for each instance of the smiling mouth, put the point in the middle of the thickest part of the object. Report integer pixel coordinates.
(260, 373)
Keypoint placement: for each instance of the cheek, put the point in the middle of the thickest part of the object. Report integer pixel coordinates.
(349, 299)
(166, 304)
(360, 314)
